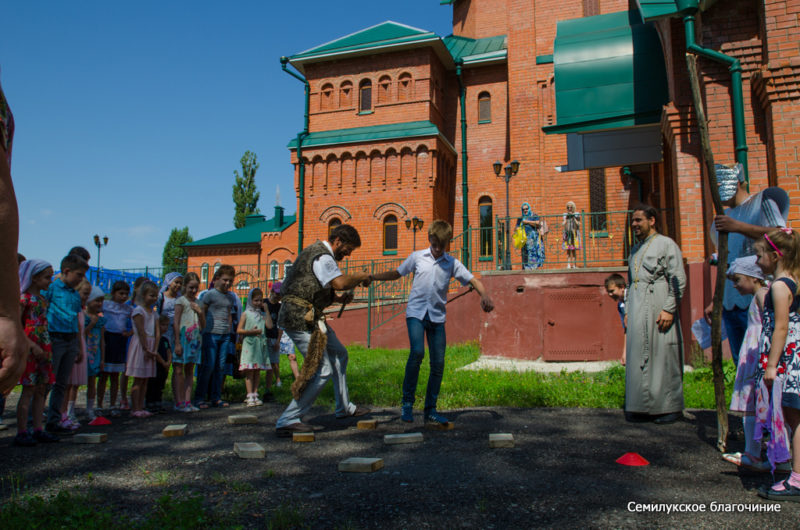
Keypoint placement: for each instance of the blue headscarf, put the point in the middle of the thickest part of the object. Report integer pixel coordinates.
(168, 279)
(27, 270)
(248, 304)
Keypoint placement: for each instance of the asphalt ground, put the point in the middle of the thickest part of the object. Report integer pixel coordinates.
(561, 471)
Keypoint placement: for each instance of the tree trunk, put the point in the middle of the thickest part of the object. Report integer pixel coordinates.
(722, 260)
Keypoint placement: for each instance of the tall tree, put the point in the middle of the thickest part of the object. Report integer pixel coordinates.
(174, 257)
(245, 195)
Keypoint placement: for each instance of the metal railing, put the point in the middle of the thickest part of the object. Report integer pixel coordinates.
(605, 239)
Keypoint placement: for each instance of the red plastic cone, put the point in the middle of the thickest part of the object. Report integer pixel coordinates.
(632, 459)
(100, 420)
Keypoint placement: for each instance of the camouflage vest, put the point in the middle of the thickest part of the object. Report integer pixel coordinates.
(301, 283)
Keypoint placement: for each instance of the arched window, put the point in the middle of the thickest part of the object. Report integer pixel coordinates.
(333, 223)
(286, 266)
(274, 267)
(217, 265)
(486, 220)
(365, 96)
(404, 87)
(204, 273)
(326, 97)
(345, 94)
(384, 89)
(484, 107)
(390, 234)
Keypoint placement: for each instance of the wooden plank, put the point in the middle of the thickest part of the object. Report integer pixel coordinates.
(175, 430)
(501, 440)
(249, 450)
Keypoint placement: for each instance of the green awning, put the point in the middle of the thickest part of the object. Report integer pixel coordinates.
(609, 73)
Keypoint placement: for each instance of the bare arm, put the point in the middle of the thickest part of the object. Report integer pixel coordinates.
(486, 301)
(13, 342)
(349, 281)
(781, 300)
(729, 224)
(176, 329)
(243, 331)
(386, 276)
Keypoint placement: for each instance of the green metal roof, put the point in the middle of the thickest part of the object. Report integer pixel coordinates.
(655, 9)
(476, 50)
(609, 73)
(371, 134)
(384, 34)
(250, 233)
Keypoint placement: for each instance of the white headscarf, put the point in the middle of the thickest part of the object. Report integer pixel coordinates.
(96, 293)
(27, 270)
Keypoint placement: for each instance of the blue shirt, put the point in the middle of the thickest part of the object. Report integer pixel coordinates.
(431, 279)
(62, 312)
(118, 316)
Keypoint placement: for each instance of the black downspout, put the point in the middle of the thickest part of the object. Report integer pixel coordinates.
(301, 197)
(465, 246)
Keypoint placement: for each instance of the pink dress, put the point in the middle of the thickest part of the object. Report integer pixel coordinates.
(139, 363)
(744, 396)
(80, 371)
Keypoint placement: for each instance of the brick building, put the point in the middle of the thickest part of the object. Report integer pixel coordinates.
(591, 97)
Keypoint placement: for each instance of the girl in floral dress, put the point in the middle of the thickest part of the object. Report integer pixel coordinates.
(189, 321)
(572, 234)
(748, 279)
(778, 373)
(34, 277)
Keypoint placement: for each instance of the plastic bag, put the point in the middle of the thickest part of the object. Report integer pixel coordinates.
(519, 238)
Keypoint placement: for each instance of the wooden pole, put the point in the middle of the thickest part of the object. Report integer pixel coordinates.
(722, 259)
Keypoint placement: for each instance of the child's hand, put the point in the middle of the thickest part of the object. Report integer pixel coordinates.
(93, 319)
(178, 350)
(79, 358)
(36, 350)
(195, 307)
(127, 334)
(770, 375)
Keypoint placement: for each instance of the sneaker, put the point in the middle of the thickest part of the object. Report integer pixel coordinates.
(191, 408)
(435, 418)
(67, 424)
(257, 401)
(45, 437)
(267, 397)
(123, 405)
(24, 439)
(251, 401)
(179, 407)
(115, 413)
(289, 430)
(278, 383)
(408, 413)
(91, 414)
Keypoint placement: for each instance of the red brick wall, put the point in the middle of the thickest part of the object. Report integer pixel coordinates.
(478, 19)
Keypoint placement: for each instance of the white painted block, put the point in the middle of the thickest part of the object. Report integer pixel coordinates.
(360, 465)
(501, 440)
(405, 438)
(249, 450)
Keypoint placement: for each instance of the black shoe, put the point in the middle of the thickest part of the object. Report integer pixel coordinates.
(54, 428)
(45, 437)
(789, 493)
(24, 439)
(637, 417)
(289, 430)
(267, 397)
(665, 419)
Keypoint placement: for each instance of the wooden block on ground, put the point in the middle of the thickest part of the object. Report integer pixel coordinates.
(501, 440)
(405, 438)
(90, 438)
(367, 424)
(361, 465)
(249, 450)
(449, 426)
(175, 430)
(303, 437)
(239, 419)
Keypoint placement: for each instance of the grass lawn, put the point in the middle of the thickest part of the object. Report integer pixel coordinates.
(375, 377)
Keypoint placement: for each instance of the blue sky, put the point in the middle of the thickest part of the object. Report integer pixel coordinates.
(132, 116)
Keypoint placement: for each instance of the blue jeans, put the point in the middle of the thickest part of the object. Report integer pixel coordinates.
(437, 342)
(212, 364)
(735, 321)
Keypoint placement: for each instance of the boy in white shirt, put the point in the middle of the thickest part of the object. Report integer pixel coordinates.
(426, 311)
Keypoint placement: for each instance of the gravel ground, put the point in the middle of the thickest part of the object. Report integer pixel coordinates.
(562, 471)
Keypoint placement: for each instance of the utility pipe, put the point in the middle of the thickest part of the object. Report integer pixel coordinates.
(690, 7)
(301, 197)
(465, 244)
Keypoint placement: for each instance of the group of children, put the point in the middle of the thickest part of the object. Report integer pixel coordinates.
(767, 386)
(80, 338)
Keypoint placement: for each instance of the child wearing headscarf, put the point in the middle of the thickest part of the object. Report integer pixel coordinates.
(93, 330)
(253, 326)
(34, 277)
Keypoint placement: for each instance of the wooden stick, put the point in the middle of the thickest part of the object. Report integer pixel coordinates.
(722, 259)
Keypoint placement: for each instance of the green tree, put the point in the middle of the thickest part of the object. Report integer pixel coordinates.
(174, 257)
(245, 195)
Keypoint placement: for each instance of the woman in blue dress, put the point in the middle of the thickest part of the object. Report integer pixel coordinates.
(533, 251)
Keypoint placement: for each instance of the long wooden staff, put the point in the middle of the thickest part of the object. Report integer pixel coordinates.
(722, 260)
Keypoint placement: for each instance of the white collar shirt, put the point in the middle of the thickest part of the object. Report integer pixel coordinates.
(431, 279)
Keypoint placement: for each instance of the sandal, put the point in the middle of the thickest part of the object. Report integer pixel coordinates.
(788, 493)
(202, 405)
(747, 462)
(220, 404)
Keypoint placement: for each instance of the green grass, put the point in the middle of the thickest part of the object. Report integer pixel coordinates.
(375, 377)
